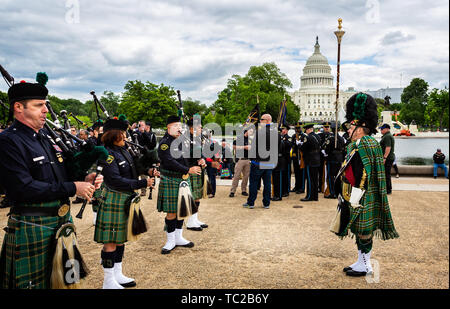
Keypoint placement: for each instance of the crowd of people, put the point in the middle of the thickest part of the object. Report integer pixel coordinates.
(40, 180)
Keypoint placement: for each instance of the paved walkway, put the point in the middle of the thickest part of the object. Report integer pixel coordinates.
(398, 184)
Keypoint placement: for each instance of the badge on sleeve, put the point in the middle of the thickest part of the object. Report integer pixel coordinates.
(109, 159)
(164, 147)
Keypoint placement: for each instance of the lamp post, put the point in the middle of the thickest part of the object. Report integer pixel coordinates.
(339, 34)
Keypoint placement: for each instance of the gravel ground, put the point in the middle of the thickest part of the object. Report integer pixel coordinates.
(282, 247)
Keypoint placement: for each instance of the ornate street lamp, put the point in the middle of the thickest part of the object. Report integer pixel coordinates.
(339, 34)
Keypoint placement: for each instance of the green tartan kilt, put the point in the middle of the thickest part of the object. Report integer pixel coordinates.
(196, 186)
(112, 221)
(27, 251)
(168, 191)
(371, 218)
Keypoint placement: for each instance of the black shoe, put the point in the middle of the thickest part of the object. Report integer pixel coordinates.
(198, 228)
(166, 251)
(305, 200)
(276, 199)
(244, 193)
(204, 226)
(346, 269)
(188, 245)
(231, 194)
(129, 284)
(286, 195)
(434, 177)
(300, 192)
(354, 273)
(330, 196)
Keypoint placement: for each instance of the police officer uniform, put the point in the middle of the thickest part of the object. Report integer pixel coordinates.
(197, 181)
(281, 173)
(310, 145)
(97, 141)
(120, 181)
(38, 189)
(173, 172)
(147, 139)
(323, 185)
(298, 161)
(286, 176)
(334, 159)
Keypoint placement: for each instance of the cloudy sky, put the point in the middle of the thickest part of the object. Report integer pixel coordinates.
(196, 45)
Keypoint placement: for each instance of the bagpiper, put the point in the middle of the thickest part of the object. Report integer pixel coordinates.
(175, 172)
(197, 181)
(363, 201)
(114, 225)
(40, 247)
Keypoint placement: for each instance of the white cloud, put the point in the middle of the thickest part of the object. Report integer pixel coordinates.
(197, 45)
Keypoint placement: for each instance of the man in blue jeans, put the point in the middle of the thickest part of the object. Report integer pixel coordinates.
(439, 159)
(262, 164)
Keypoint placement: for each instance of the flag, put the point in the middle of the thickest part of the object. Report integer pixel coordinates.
(282, 112)
(253, 117)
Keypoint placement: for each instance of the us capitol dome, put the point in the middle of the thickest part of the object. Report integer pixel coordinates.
(317, 92)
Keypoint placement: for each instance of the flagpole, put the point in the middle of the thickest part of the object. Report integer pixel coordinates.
(339, 34)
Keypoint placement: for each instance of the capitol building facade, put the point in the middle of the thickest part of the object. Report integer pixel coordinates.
(317, 92)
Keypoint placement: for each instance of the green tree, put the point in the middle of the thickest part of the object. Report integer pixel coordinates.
(148, 102)
(192, 107)
(109, 100)
(437, 110)
(418, 89)
(265, 82)
(4, 111)
(413, 110)
(85, 119)
(73, 106)
(414, 99)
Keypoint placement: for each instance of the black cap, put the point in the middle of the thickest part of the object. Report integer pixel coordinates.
(97, 124)
(172, 119)
(298, 124)
(115, 124)
(326, 124)
(308, 126)
(26, 91)
(385, 126)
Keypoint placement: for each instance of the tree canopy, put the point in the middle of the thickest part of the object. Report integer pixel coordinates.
(436, 112)
(235, 102)
(148, 101)
(414, 99)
